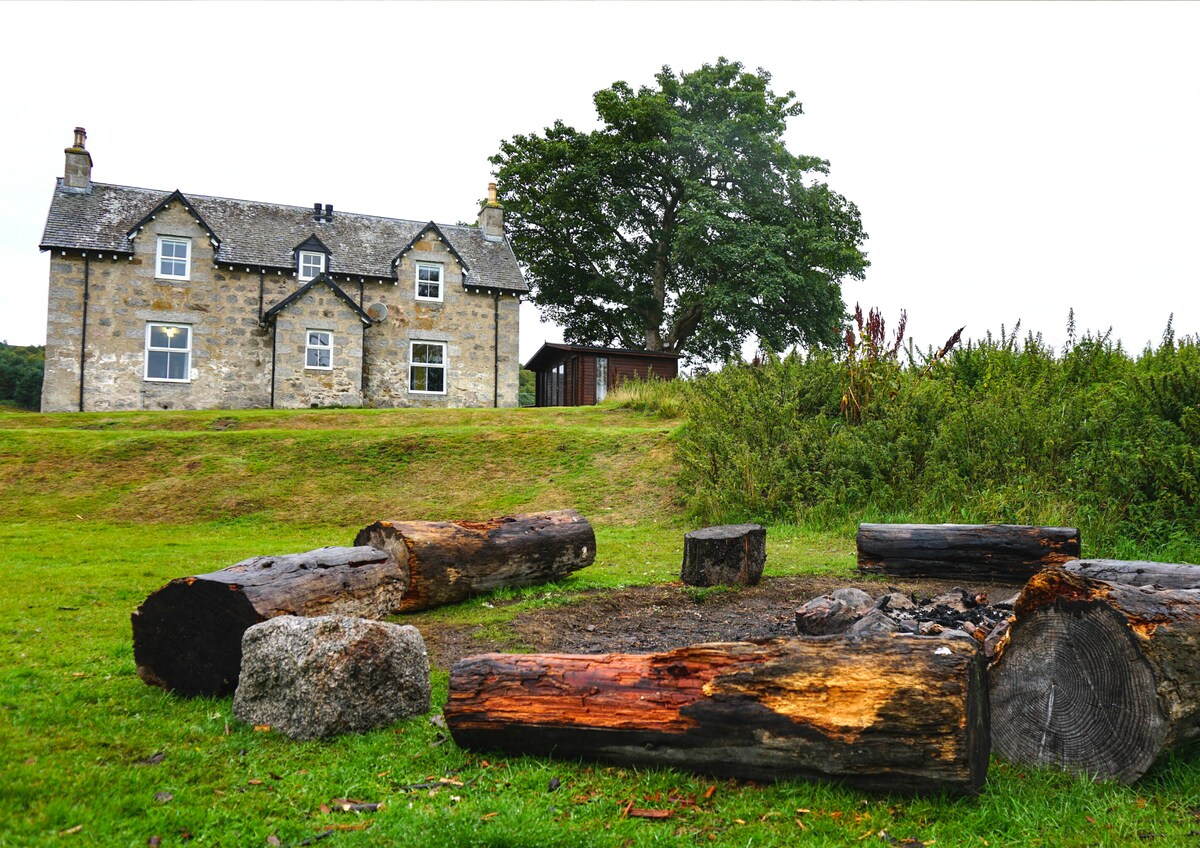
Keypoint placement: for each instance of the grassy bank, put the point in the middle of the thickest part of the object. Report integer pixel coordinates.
(96, 511)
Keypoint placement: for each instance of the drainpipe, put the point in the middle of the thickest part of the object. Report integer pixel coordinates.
(261, 273)
(274, 335)
(83, 333)
(496, 354)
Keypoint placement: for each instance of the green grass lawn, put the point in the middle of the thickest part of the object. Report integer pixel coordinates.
(97, 511)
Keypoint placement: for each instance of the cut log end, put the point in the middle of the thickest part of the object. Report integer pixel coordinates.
(187, 637)
(725, 555)
(1063, 670)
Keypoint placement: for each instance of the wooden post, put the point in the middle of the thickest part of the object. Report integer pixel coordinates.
(990, 552)
(730, 555)
(892, 714)
(1097, 678)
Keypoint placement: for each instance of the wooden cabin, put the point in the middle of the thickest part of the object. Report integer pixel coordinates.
(578, 375)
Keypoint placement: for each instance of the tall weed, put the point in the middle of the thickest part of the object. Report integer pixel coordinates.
(1001, 430)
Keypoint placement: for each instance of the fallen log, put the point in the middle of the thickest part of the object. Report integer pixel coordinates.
(1097, 678)
(726, 555)
(1164, 575)
(187, 636)
(444, 562)
(1008, 553)
(893, 714)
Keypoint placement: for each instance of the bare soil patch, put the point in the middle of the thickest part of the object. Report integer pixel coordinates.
(645, 619)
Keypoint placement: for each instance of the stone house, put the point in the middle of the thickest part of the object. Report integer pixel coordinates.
(165, 300)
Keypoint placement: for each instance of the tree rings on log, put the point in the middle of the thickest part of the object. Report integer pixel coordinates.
(1008, 553)
(1097, 678)
(445, 562)
(726, 555)
(187, 636)
(892, 713)
(1164, 575)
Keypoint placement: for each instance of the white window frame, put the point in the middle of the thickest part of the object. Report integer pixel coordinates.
(306, 254)
(186, 352)
(309, 347)
(444, 365)
(601, 378)
(441, 281)
(187, 260)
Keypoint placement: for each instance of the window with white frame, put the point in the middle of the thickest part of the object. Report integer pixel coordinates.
(174, 258)
(318, 350)
(429, 281)
(427, 368)
(312, 265)
(169, 352)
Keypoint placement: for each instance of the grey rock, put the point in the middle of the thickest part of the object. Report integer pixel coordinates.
(956, 599)
(872, 624)
(828, 615)
(311, 678)
(853, 598)
(894, 601)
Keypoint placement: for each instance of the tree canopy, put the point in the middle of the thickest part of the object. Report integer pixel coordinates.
(683, 224)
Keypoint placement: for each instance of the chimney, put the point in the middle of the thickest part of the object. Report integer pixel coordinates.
(316, 211)
(77, 176)
(491, 217)
(328, 211)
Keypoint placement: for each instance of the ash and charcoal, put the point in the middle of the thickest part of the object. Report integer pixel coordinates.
(853, 613)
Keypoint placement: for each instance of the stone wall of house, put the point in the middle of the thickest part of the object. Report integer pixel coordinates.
(297, 385)
(465, 321)
(231, 353)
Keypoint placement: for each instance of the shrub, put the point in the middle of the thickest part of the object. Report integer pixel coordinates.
(21, 371)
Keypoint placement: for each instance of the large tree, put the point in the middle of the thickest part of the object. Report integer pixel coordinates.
(682, 224)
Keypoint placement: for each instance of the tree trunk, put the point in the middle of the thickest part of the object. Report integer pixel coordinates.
(187, 636)
(1164, 575)
(1006, 553)
(1097, 678)
(444, 562)
(731, 554)
(888, 714)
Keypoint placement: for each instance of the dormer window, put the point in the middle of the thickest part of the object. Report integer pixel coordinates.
(429, 281)
(312, 265)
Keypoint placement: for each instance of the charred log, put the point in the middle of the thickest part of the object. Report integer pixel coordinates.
(444, 562)
(1164, 575)
(893, 713)
(187, 636)
(727, 555)
(989, 552)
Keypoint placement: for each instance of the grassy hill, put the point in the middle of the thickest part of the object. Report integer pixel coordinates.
(97, 510)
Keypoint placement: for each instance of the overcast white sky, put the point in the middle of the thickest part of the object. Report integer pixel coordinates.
(1010, 160)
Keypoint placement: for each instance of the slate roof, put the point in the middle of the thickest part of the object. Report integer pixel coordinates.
(264, 235)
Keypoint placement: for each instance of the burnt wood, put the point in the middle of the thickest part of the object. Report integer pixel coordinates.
(1007, 553)
(187, 636)
(1165, 575)
(729, 554)
(444, 562)
(891, 714)
(1097, 678)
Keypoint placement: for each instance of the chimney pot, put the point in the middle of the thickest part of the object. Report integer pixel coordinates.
(80, 137)
(328, 211)
(316, 211)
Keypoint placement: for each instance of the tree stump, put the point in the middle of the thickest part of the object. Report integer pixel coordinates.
(891, 714)
(1003, 553)
(1164, 575)
(727, 555)
(445, 562)
(1097, 678)
(187, 636)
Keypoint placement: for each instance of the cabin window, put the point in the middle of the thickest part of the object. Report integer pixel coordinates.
(601, 378)
(312, 265)
(174, 258)
(318, 350)
(427, 368)
(169, 352)
(429, 281)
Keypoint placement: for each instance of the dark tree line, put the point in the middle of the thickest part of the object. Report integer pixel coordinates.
(21, 371)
